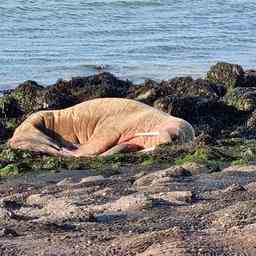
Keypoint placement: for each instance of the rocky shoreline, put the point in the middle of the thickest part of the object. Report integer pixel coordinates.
(178, 200)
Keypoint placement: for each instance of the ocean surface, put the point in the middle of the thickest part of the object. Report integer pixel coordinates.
(45, 40)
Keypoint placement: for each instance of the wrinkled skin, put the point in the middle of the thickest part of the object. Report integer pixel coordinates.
(100, 127)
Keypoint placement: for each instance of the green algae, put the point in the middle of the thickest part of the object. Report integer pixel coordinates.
(241, 100)
(225, 153)
(9, 170)
(228, 152)
(231, 75)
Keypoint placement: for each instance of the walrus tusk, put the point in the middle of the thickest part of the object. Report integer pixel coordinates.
(147, 134)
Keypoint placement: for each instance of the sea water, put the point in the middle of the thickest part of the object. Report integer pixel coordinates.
(134, 39)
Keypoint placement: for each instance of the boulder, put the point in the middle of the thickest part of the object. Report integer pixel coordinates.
(247, 131)
(242, 98)
(30, 97)
(52, 98)
(175, 197)
(196, 168)
(183, 107)
(2, 131)
(26, 95)
(230, 75)
(39, 199)
(207, 114)
(147, 92)
(162, 176)
(151, 91)
(186, 86)
(67, 93)
(9, 107)
(250, 78)
(133, 202)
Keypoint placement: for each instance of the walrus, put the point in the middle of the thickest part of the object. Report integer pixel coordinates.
(101, 126)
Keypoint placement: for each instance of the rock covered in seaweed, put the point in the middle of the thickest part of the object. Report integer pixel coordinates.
(251, 122)
(250, 78)
(68, 93)
(9, 107)
(205, 114)
(187, 86)
(150, 91)
(147, 92)
(29, 96)
(2, 131)
(231, 75)
(26, 95)
(242, 98)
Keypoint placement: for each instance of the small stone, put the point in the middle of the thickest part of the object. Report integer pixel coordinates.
(195, 168)
(8, 232)
(242, 168)
(66, 181)
(109, 217)
(39, 199)
(133, 202)
(161, 176)
(92, 179)
(176, 197)
(6, 214)
(61, 208)
(103, 192)
(234, 188)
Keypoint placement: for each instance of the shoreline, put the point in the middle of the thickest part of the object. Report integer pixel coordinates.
(176, 200)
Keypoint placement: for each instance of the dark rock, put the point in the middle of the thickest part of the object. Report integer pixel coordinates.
(10, 204)
(205, 114)
(186, 86)
(2, 131)
(110, 217)
(57, 227)
(151, 91)
(29, 96)
(8, 232)
(26, 95)
(100, 85)
(242, 98)
(204, 139)
(147, 92)
(9, 107)
(54, 99)
(231, 75)
(3, 163)
(250, 78)
(248, 130)
(29, 88)
(183, 107)
(67, 93)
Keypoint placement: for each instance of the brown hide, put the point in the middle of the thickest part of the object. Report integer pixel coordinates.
(95, 126)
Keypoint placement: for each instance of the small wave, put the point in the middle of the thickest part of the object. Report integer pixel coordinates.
(126, 3)
(96, 67)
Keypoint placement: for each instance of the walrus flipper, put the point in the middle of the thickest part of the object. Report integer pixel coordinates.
(99, 143)
(35, 141)
(121, 148)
